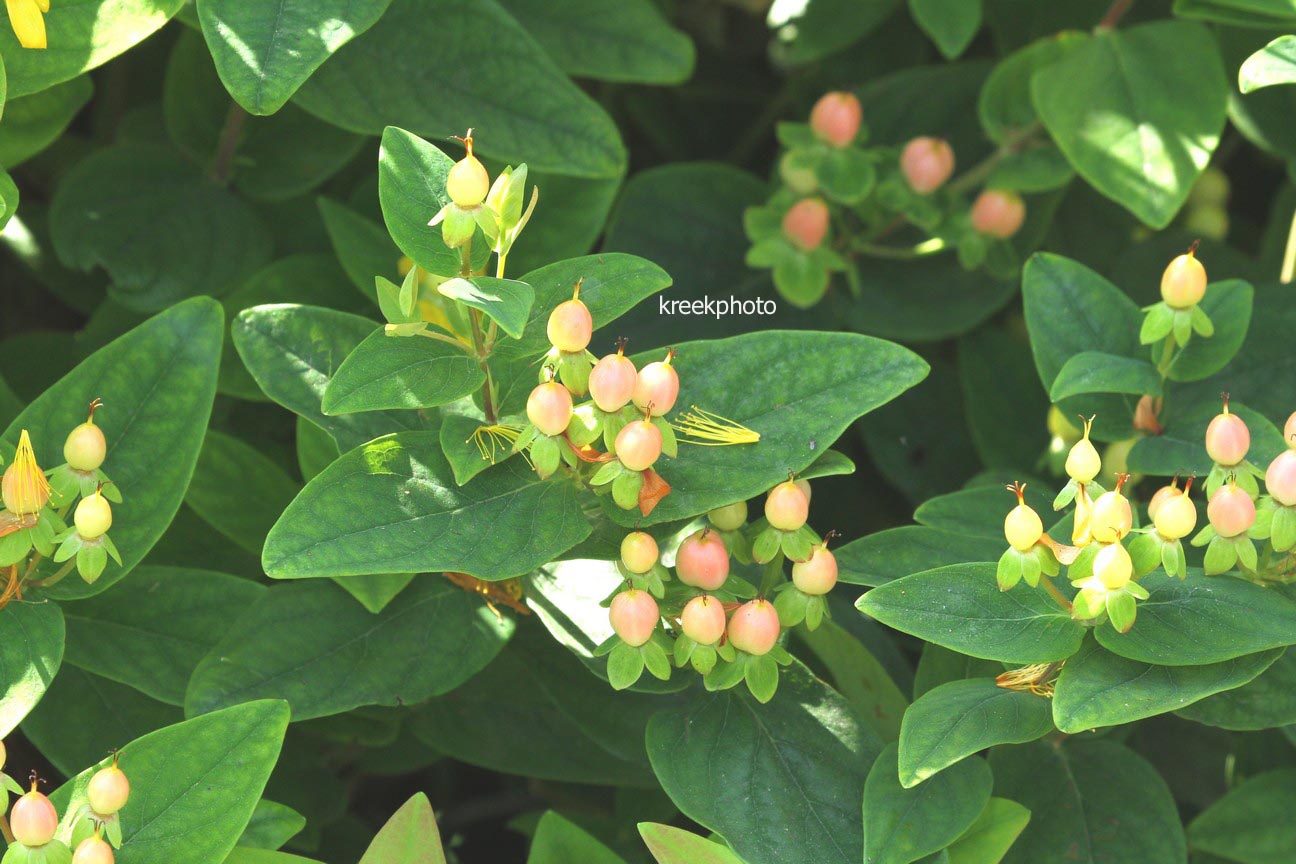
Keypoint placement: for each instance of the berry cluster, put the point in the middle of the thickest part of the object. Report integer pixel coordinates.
(710, 618)
(838, 200)
(94, 831)
(36, 505)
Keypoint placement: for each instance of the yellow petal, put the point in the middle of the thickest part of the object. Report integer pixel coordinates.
(27, 21)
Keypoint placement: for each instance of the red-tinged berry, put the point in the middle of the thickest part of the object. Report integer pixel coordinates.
(93, 516)
(612, 380)
(998, 213)
(33, 819)
(85, 447)
(1112, 518)
(634, 616)
(1176, 517)
(1113, 566)
(657, 385)
(1231, 511)
(806, 223)
(549, 407)
(467, 183)
(730, 517)
(786, 507)
(703, 620)
(1022, 526)
(1227, 437)
(639, 552)
(927, 163)
(108, 790)
(817, 575)
(93, 850)
(702, 560)
(836, 118)
(754, 627)
(1280, 478)
(570, 324)
(1183, 283)
(1162, 495)
(638, 445)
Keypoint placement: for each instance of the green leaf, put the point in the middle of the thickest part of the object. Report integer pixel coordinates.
(635, 45)
(1004, 105)
(558, 840)
(671, 845)
(962, 608)
(34, 122)
(271, 826)
(412, 189)
(813, 31)
(81, 35)
(507, 301)
(781, 782)
(1250, 824)
(1181, 447)
(1273, 64)
(193, 785)
(31, 649)
(1115, 107)
(951, 24)
(992, 834)
(1202, 620)
(961, 718)
(1267, 702)
(392, 506)
(152, 633)
(293, 351)
(903, 825)
(492, 75)
(363, 247)
(410, 836)
(798, 390)
(1000, 387)
(161, 229)
(1229, 306)
(1099, 688)
(977, 512)
(394, 372)
(1082, 798)
(238, 490)
(1096, 372)
(244, 855)
(265, 51)
(858, 676)
(375, 590)
(311, 645)
(575, 211)
(157, 382)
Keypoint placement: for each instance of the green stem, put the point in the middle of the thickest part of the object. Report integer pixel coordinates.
(449, 340)
(773, 574)
(479, 342)
(1056, 594)
(227, 144)
(57, 576)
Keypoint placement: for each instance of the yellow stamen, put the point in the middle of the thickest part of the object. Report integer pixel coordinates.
(1039, 678)
(716, 431)
(507, 592)
(499, 437)
(28, 21)
(25, 489)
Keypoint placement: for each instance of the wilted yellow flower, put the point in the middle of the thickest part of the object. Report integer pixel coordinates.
(24, 487)
(28, 20)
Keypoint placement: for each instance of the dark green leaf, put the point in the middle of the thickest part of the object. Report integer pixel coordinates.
(31, 649)
(271, 826)
(1004, 105)
(1267, 702)
(34, 122)
(1251, 824)
(858, 676)
(816, 30)
(363, 247)
(1181, 447)
(878, 558)
(239, 490)
(393, 372)
(1229, 306)
(1001, 395)
(951, 24)
(978, 511)
(1096, 372)
(412, 189)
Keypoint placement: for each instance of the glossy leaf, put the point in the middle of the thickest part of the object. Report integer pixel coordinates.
(884, 556)
(409, 837)
(31, 649)
(1273, 64)
(313, 646)
(962, 608)
(1267, 702)
(271, 826)
(412, 189)
(859, 676)
(394, 372)
(978, 511)
(506, 301)
(1096, 372)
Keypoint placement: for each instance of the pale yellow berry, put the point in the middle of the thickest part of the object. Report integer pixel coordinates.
(1113, 566)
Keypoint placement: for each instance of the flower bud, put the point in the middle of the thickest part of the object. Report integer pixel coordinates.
(634, 616)
(1183, 283)
(570, 324)
(468, 183)
(730, 517)
(1113, 566)
(33, 819)
(93, 516)
(638, 445)
(927, 163)
(1177, 515)
(998, 213)
(702, 560)
(1083, 462)
(817, 575)
(1280, 478)
(1022, 525)
(94, 850)
(806, 223)
(1227, 437)
(612, 380)
(85, 447)
(657, 385)
(836, 118)
(1231, 510)
(24, 489)
(754, 627)
(1111, 519)
(639, 552)
(549, 407)
(703, 620)
(786, 507)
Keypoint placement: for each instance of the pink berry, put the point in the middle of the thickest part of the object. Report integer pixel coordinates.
(1280, 478)
(702, 560)
(836, 118)
(1183, 283)
(638, 445)
(998, 213)
(1227, 438)
(94, 850)
(703, 620)
(818, 575)
(549, 407)
(108, 790)
(927, 163)
(657, 386)
(786, 507)
(570, 325)
(1160, 497)
(754, 627)
(33, 819)
(806, 223)
(612, 382)
(1231, 511)
(634, 616)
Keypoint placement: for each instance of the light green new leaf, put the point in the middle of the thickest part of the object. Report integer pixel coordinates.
(992, 834)
(491, 75)
(1273, 64)
(410, 836)
(312, 645)
(507, 301)
(392, 506)
(152, 632)
(1252, 823)
(671, 845)
(194, 785)
(393, 372)
(1099, 688)
(1116, 107)
(962, 608)
(264, 51)
(1202, 620)
(781, 782)
(558, 840)
(157, 382)
(1096, 372)
(32, 123)
(31, 649)
(960, 718)
(903, 825)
